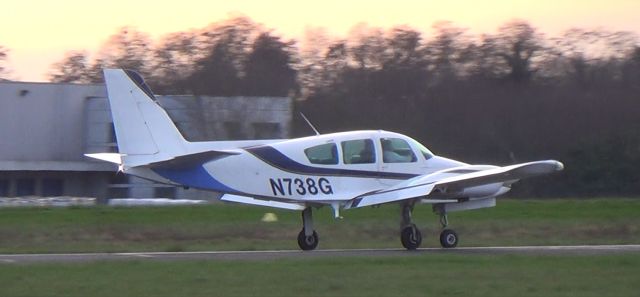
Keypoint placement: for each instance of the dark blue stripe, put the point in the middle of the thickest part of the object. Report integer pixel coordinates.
(196, 177)
(277, 159)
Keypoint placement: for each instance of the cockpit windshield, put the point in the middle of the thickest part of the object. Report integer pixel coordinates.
(425, 151)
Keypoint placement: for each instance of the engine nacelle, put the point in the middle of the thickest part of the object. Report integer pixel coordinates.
(484, 191)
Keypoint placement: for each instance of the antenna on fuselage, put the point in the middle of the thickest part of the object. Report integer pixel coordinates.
(309, 123)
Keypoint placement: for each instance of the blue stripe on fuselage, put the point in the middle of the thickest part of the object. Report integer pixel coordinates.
(277, 159)
(196, 177)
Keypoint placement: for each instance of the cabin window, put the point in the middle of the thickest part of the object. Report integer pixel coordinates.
(325, 154)
(358, 151)
(396, 150)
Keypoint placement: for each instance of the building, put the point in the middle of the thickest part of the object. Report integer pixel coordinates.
(47, 128)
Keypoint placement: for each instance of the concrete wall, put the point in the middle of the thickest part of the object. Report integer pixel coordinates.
(44, 122)
(46, 128)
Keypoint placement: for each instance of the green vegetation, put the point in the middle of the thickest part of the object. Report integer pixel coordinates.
(236, 227)
(412, 275)
(219, 227)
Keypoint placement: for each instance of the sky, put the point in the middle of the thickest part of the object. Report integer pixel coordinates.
(38, 33)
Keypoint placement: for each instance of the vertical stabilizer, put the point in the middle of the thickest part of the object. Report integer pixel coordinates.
(144, 131)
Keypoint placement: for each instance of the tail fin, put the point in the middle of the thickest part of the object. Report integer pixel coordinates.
(144, 130)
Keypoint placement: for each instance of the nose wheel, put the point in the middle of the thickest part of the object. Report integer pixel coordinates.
(448, 237)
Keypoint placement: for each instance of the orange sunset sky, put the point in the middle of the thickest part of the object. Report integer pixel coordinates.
(38, 32)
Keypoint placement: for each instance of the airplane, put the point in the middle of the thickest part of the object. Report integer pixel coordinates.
(345, 170)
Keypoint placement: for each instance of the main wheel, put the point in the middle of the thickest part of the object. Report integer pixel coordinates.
(307, 243)
(411, 237)
(448, 238)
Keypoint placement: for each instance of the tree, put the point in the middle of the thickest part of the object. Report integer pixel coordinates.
(129, 49)
(367, 47)
(448, 51)
(73, 68)
(268, 69)
(173, 61)
(584, 54)
(3, 57)
(312, 63)
(217, 74)
(223, 49)
(517, 45)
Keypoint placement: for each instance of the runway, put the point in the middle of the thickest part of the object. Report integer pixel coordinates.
(278, 254)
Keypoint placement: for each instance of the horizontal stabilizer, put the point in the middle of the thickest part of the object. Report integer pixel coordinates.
(109, 157)
(269, 203)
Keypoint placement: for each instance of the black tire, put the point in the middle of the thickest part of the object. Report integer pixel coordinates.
(307, 243)
(411, 237)
(448, 238)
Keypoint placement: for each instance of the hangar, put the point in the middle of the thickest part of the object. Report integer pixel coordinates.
(46, 128)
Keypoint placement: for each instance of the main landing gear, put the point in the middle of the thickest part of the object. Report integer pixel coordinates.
(308, 237)
(411, 237)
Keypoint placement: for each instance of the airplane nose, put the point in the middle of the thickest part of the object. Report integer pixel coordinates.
(559, 166)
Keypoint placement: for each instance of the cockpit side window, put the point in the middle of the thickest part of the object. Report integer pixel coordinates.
(325, 154)
(396, 150)
(358, 151)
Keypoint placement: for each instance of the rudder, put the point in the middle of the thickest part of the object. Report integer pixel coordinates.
(144, 131)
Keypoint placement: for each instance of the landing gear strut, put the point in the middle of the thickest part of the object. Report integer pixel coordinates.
(308, 237)
(448, 237)
(410, 236)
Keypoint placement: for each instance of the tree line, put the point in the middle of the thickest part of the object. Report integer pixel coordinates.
(510, 96)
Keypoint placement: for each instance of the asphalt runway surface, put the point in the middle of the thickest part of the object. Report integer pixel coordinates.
(291, 254)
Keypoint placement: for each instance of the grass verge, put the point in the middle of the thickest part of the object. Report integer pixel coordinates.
(237, 227)
(423, 275)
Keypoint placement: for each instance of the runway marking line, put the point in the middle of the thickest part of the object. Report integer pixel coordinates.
(13, 258)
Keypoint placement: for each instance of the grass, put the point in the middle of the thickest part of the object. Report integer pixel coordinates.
(234, 227)
(423, 275)
(237, 227)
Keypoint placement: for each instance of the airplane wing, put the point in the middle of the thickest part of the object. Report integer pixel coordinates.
(445, 189)
(269, 203)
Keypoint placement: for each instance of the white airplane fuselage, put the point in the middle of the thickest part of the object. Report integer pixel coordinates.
(279, 170)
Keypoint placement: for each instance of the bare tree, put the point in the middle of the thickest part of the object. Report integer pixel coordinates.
(173, 61)
(3, 57)
(73, 68)
(366, 47)
(517, 45)
(312, 62)
(224, 48)
(448, 51)
(268, 68)
(128, 48)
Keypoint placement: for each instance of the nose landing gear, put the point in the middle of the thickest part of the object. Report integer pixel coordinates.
(448, 237)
